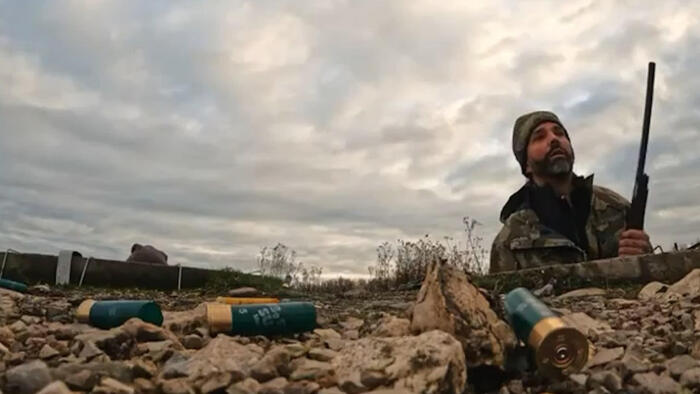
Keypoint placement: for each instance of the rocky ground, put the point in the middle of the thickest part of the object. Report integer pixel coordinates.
(645, 342)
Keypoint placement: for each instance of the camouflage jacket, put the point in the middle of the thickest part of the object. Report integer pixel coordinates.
(525, 242)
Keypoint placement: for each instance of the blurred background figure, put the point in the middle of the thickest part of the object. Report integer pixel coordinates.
(147, 254)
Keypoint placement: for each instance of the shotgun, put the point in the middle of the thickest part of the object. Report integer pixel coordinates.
(635, 216)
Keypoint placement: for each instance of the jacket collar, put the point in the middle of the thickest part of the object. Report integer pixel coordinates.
(520, 199)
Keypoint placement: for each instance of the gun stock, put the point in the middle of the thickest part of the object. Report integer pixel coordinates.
(635, 216)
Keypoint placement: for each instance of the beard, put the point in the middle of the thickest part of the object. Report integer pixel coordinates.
(556, 167)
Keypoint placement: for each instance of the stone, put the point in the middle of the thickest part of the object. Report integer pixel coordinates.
(632, 364)
(296, 350)
(27, 378)
(695, 349)
(7, 337)
(244, 292)
(334, 343)
(4, 350)
(57, 387)
(58, 311)
(650, 382)
(154, 348)
(18, 327)
(175, 367)
(652, 290)
(48, 352)
(274, 386)
(115, 342)
(142, 331)
(605, 355)
(320, 354)
(448, 301)
(84, 380)
(301, 387)
(689, 286)
(185, 322)
(222, 354)
(431, 362)
(544, 291)
(246, 386)
(176, 386)
(271, 365)
(330, 390)
(688, 322)
(193, 341)
(217, 383)
(40, 289)
(144, 368)
(352, 383)
(579, 378)
(113, 386)
(392, 326)
(352, 323)
(678, 348)
(586, 324)
(30, 320)
(144, 386)
(373, 379)
(327, 333)
(691, 378)
(306, 369)
(608, 379)
(117, 370)
(16, 358)
(679, 364)
(587, 292)
(351, 334)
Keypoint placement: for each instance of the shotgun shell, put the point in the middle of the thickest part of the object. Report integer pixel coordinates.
(12, 285)
(559, 350)
(108, 314)
(246, 300)
(261, 319)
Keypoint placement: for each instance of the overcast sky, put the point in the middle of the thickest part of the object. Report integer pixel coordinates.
(212, 129)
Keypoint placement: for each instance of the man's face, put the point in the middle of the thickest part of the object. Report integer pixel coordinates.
(549, 152)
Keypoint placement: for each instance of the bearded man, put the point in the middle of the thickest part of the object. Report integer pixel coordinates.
(558, 216)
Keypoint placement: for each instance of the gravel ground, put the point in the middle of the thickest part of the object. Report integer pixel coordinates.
(363, 344)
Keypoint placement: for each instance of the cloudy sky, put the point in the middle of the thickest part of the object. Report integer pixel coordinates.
(212, 129)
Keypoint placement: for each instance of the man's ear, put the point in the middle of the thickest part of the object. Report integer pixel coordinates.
(528, 169)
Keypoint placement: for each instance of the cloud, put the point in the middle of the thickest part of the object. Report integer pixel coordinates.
(212, 130)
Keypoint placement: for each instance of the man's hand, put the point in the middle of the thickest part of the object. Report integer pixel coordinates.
(633, 242)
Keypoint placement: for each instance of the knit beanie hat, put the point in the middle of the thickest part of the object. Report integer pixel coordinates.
(524, 126)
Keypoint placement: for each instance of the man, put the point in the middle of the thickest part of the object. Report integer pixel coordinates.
(147, 254)
(558, 216)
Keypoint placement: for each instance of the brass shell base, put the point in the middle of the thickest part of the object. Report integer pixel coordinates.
(83, 311)
(560, 350)
(219, 317)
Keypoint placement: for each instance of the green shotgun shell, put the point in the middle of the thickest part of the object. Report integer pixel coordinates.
(559, 349)
(261, 319)
(12, 285)
(108, 314)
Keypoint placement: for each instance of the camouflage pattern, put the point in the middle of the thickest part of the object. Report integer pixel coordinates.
(523, 128)
(524, 242)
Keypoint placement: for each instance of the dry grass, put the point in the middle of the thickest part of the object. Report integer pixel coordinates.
(398, 265)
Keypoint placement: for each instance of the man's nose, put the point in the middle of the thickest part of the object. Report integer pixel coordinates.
(554, 139)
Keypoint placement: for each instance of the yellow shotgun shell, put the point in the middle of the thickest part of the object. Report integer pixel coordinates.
(246, 300)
